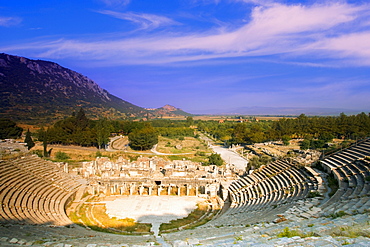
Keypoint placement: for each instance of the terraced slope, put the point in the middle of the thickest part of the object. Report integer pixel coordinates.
(34, 191)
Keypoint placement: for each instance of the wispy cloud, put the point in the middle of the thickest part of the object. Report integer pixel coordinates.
(115, 3)
(353, 46)
(145, 21)
(9, 21)
(304, 31)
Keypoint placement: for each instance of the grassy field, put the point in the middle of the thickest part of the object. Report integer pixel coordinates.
(187, 145)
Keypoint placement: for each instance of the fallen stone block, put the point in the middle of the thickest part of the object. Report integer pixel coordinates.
(179, 243)
(305, 215)
(193, 241)
(48, 243)
(4, 239)
(13, 241)
(22, 242)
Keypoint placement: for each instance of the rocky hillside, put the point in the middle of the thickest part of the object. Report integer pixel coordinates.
(168, 111)
(36, 90)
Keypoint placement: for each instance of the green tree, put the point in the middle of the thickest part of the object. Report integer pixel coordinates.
(143, 139)
(9, 129)
(189, 121)
(102, 131)
(286, 140)
(28, 140)
(257, 161)
(43, 136)
(239, 134)
(305, 144)
(215, 159)
(82, 121)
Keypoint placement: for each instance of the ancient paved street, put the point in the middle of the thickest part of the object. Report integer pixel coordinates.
(230, 157)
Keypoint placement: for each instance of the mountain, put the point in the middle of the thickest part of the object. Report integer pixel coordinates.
(36, 90)
(168, 111)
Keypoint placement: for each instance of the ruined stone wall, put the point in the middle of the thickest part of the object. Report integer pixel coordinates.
(155, 176)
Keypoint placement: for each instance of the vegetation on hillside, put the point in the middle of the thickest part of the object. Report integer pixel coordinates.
(77, 130)
(317, 131)
(52, 92)
(9, 129)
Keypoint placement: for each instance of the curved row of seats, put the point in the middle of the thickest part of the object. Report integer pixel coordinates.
(265, 191)
(34, 191)
(352, 172)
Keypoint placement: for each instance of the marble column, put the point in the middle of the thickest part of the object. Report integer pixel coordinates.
(141, 190)
(132, 189)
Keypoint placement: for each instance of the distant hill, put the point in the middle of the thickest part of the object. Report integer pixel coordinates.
(36, 90)
(168, 111)
(284, 111)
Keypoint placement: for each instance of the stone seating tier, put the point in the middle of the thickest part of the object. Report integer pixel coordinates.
(352, 171)
(34, 191)
(266, 191)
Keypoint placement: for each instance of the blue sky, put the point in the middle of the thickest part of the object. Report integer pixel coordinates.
(203, 55)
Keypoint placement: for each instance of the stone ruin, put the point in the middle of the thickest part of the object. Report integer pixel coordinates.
(156, 176)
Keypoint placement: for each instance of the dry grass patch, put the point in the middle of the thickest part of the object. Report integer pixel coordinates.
(195, 218)
(94, 216)
(124, 225)
(75, 152)
(188, 145)
(355, 231)
(78, 153)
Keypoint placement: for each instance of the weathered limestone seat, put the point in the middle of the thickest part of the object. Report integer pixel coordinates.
(34, 191)
(351, 171)
(266, 192)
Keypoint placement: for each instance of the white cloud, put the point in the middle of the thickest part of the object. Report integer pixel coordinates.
(319, 30)
(9, 21)
(353, 46)
(145, 21)
(114, 3)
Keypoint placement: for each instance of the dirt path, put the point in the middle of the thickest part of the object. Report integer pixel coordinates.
(119, 143)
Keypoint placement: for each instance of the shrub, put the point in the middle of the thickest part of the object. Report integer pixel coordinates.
(313, 194)
(338, 214)
(61, 156)
(289, 233)
(38, 153)
(200, 153)
(98, 154)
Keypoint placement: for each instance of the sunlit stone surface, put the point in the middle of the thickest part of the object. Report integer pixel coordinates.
(151, 209)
